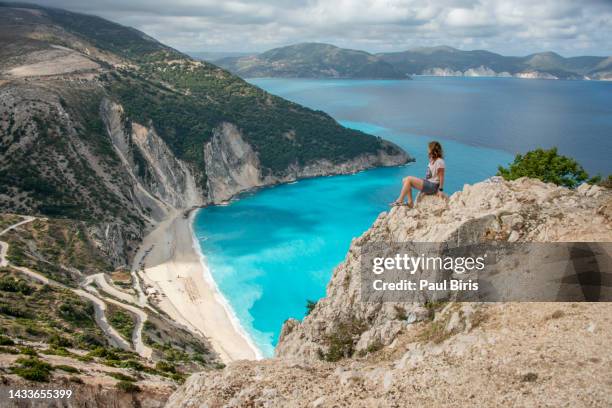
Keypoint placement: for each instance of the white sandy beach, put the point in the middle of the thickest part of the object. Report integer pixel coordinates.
(174, 269)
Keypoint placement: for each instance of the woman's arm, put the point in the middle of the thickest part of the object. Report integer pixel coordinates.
(441, 178)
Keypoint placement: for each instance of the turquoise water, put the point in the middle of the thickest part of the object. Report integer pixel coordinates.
(273, 249)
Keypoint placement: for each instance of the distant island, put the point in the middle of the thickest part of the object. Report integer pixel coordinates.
(317, 60)
(312, 60)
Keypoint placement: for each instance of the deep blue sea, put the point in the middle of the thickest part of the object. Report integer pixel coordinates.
(273, 249)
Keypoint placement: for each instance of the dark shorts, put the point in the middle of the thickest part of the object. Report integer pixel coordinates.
(429, 187)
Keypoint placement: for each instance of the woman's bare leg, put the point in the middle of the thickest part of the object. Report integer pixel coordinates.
(408, 183)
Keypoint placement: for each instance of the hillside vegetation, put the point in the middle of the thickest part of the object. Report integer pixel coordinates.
(50, 139)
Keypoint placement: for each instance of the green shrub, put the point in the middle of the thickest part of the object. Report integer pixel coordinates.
(127, 386)
(198, 358)
(33, 369)
(374, 346)
(13, 310)
(400, 312)
(121, 377)
(133, 364)
(122, 321)
(85, 359)
(10, 284)
(77, 312)
(57, 351)
(89, 339)
(545, 165)
(6, 341)
(310, 305)
(178, 377)
(75, 379)
(603, 182)
(59, 341)
(28, 351)
(173, 354)
(112, 363)
(165, 366)
(67, 368)
(103, 353)
(341, 342)
(34, 330)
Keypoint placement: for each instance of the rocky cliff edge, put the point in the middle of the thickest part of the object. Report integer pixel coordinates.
(522, 210)
(467, 354)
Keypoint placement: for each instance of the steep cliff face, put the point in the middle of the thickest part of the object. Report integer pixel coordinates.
(171, 178)
(524, 210)
(496, 354)
(232, 165)
(160, 181)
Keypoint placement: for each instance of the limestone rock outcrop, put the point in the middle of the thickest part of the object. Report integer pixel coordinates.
(160, 180)
(522, 210)
(233, 166)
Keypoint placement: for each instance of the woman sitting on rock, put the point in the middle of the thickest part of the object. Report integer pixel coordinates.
(433, 182)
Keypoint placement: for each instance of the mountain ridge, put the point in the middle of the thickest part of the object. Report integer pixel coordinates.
(438, 60)
(312, 60)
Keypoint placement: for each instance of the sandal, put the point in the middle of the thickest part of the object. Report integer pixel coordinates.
(400, 204)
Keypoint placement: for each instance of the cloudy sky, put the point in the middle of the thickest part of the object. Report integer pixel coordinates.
(512, 27)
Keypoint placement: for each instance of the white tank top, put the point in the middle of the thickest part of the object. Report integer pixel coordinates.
(432, 170)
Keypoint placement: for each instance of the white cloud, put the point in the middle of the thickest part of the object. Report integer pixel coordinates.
(462, 17)
(506, 26)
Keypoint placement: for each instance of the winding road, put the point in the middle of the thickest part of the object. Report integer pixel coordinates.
(4, 245)
(95, 297)
(141, 316)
